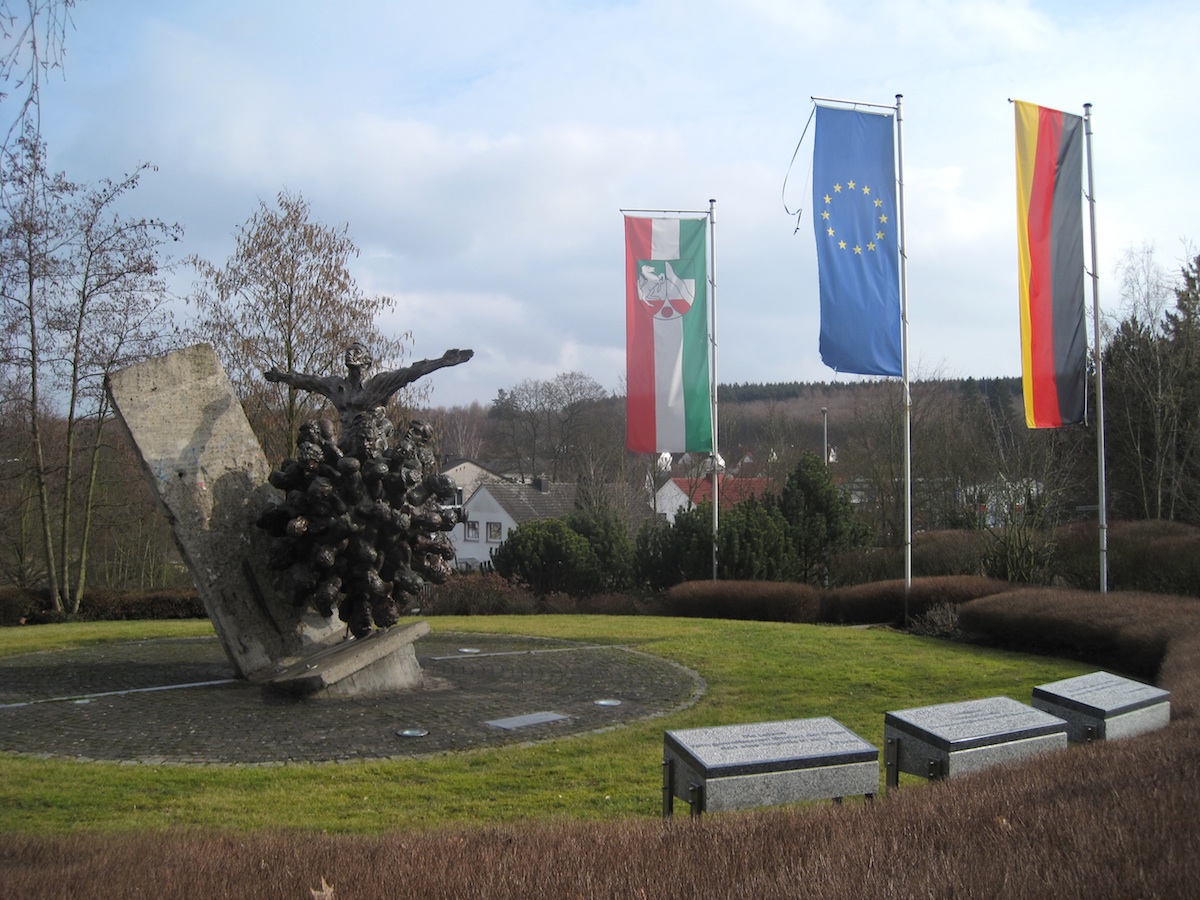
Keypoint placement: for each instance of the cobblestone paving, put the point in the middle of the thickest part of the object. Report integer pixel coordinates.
(176, 701)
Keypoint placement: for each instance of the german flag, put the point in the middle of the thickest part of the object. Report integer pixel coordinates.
(1050, 245)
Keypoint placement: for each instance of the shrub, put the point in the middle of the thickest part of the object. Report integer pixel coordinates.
(820, 520)
(19, 606)
(550, 557)
(1127, 631)
(609, 538)
(165, 604)
(613, 605)
(764, 601)
(478, 595)
(666, 555)
(940, 621)
(1158, 556)
(883, 601)
(958, 552)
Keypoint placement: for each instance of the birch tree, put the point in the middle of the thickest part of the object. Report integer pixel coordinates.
(84, 293)
(285, 299)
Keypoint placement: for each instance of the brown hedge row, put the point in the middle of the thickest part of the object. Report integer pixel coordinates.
(19, 606)
(764, 601)
(877, 603)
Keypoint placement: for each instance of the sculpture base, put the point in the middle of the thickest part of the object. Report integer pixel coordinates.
(383, 662)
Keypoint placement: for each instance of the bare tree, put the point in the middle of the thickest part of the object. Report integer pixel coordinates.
(286, 300)
(1147, 395)
(539, 426)
(83, 294)
(32, 43)
(461, 430)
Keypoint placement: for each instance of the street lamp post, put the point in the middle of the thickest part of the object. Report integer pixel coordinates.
(825, 424)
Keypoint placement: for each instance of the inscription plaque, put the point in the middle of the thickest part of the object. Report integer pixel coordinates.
(764, 763)
(1102, 706)
(955, 738)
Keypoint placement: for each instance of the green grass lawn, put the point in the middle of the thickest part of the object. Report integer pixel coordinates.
(755, 671)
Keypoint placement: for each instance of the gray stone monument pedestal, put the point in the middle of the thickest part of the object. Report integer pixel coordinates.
(1102, 706)
(764, 763)
(957, 738)
(384, 661)
(210, 476)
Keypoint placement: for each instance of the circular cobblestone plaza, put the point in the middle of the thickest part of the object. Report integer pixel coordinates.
(176, 701)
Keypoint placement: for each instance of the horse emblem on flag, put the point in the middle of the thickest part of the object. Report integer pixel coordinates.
(662, 292)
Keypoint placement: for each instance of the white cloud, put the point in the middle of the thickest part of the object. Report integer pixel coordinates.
(480, 152)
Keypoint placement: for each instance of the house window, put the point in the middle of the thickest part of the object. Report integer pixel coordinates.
(472, 531)
(494, 532)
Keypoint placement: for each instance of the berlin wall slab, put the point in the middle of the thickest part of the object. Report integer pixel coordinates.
(1101, 706)
(956, 738)
(210, 475)
(765, 763)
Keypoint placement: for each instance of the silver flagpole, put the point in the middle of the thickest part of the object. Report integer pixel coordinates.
(904, 360)
(1100, 473)
(712, 331)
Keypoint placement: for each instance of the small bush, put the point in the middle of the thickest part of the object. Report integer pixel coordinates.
(24, 607)
(866, 565)
(959, 552)
(763, 601)
(122, 605)
(940, 621)
(1128, 631)
(883, 601)
(486, 594)
(613, 605)
(1158, 556)
(17, 605)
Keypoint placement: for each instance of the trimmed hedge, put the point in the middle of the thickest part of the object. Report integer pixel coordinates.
(1128, 630)
(24, 607)
(763, 601)
(883, 601)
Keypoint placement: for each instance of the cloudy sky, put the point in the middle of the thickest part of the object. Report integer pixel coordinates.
(481, 152)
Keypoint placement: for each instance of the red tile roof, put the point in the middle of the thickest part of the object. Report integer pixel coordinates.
(733, 490)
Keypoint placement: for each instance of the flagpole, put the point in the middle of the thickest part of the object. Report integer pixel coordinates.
(712, 331)
(904, 360)
(1100, 473)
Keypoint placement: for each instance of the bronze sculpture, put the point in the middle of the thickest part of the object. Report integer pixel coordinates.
(362, 520)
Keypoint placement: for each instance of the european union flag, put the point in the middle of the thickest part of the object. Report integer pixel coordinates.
(857, 231)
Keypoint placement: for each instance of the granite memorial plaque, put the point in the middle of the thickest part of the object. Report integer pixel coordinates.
(955, 738)
(1101, 706)
(538, 718)
(765, 763)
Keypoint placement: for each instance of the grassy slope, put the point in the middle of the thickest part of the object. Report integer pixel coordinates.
(755, 671)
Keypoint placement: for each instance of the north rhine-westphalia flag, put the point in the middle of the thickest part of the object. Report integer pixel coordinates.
(1050, 248)
(668, 405)
(858, 251)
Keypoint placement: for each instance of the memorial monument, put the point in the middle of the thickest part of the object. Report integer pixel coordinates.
(286, 561)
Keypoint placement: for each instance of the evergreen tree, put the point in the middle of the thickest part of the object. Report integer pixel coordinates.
(609, 539)
(550, 557)
(820, 520)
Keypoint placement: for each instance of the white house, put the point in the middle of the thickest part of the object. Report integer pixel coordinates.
(496, 508)
(468, 475)
(682, 494)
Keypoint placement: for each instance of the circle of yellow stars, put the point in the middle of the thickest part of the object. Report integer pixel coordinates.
(880, 217)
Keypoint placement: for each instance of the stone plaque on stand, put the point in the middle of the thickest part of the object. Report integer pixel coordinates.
(765, 763)
(1101, 706)
(955, 738)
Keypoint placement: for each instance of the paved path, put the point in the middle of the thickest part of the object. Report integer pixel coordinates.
(176, 702)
